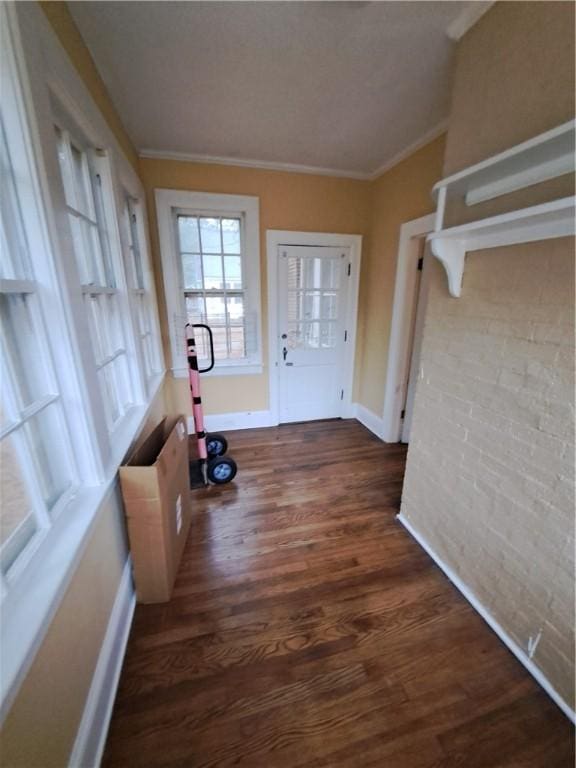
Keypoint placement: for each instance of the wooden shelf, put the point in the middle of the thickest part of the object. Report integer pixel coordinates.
(543, 157)
(539, 222)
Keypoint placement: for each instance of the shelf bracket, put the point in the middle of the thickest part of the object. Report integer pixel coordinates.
(451, 254)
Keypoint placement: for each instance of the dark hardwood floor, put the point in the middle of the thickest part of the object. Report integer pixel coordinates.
(308, 630)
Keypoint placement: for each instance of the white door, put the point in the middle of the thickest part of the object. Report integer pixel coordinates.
(312, 297)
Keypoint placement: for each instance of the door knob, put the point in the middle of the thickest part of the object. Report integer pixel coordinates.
(284, 353)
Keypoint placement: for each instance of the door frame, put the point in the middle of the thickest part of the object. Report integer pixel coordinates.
(402, 310)
(276, 238)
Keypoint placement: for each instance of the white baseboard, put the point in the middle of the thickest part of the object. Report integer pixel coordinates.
(222, 422)
(512, 645)
(372, 422)
(91, 737)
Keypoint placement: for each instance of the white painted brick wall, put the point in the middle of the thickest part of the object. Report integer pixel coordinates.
(490, 473)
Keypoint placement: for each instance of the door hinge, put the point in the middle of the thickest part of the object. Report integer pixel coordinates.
(345, 335)
(349, 269)
(341, 394)
(420, 263)
(403, 413)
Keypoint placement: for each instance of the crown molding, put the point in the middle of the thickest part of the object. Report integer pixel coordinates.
(185, 157)
(467, 18)
(153, 154)
(429, 136)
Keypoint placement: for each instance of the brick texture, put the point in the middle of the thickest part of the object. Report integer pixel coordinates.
(490, 474)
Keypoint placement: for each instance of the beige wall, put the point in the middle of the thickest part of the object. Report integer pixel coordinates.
(489, 480)
(292, 201)
(398, 196)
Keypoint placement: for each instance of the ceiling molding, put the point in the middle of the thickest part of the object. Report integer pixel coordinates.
(153, 154)
(429, 136)
(466, 20)
(264, 165)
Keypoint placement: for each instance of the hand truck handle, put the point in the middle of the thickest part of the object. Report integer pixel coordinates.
(207, 327)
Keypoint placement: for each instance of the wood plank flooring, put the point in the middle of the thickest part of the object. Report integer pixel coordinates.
(308, 630)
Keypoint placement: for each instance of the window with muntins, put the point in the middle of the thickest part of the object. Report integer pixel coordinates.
(37, 470)
(84, 192)
(140, 293)
(211, 254)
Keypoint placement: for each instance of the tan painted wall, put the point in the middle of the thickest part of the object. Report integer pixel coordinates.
(398, 196)
(490, 472)
(292, 201)
(67, 32)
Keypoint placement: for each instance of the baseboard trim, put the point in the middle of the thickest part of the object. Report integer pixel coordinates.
(369, 419)
(491, 621)
(91, 737)
(221, 422)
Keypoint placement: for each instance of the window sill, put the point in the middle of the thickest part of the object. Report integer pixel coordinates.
(250, 369)
(33, 600)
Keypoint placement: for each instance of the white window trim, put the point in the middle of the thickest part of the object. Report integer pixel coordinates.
(167, 202)
(42, 578)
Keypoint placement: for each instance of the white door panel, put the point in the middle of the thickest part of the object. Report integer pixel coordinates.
(311, 322)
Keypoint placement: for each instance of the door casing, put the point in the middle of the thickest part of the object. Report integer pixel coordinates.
(276, 238)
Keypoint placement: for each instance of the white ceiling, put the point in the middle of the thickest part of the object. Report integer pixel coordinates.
(336, 85)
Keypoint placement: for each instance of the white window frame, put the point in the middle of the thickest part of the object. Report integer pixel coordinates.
(134, 239)
(170, 202)
(43, 72)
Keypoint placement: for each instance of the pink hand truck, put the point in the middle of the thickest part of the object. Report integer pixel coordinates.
(212, 465)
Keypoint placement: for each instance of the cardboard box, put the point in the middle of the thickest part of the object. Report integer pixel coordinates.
(156, 491)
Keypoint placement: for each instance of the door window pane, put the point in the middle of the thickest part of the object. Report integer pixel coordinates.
(14, 263)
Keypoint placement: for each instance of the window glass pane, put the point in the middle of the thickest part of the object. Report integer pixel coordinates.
(215, 310)
(97, 328)
(15, 504)
(195, 309)
(101, 240)
(67, 177)
(188, 234)
(313, 273)
(82, 252)
(14, 262)
(45, 436)
(231, 235)
(328, 335)
(80, 179)
(210, 235)
(329, 308)
(233, 272)
(237, 341)
(109, 395)
(192, 270)
(112, 314)
(235, 307)
(91, 241)
(136, 260)
(212, 272)
(20, 341)
(142, 312)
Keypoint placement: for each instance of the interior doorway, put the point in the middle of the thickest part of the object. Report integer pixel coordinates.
(408, 312)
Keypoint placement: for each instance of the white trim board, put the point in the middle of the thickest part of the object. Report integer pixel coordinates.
(402, 310)
(511, 644)
(277, 237)
(222, 422)
(91, 736)
(369, 419)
